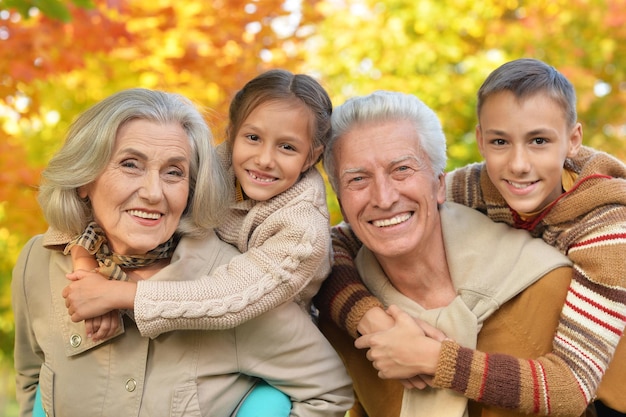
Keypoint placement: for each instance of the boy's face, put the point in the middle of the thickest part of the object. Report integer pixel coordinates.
(525, 144)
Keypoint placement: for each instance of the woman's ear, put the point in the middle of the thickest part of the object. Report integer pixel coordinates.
(83, 191)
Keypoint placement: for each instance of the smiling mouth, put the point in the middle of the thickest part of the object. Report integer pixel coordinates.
(521, 185)
(144, 214)
(261, 179)
(401, 218)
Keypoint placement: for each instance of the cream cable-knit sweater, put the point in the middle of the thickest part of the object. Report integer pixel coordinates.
(285, 245)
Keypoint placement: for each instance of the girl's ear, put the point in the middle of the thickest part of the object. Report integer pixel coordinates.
(313, 157)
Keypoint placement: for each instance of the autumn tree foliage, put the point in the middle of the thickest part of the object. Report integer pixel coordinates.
(53, 65)
(59, 58)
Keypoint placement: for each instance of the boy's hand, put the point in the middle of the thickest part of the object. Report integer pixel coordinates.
(375, 320)
(402, 352)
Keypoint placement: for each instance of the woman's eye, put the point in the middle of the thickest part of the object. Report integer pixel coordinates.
(175, 172)
(129, 163)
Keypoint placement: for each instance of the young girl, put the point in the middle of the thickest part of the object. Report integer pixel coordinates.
(535, 177)
(278, 219)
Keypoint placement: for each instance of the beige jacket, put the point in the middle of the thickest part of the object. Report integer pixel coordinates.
(182, 373)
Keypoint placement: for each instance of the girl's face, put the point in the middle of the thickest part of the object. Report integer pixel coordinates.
(273, 147)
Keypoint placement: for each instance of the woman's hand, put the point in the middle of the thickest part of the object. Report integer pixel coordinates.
(405, 351)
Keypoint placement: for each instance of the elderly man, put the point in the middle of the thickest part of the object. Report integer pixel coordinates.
(484, 285)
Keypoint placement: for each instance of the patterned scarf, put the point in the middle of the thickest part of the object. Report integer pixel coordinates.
(110, 263)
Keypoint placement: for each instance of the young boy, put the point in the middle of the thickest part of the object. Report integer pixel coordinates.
(536, 176)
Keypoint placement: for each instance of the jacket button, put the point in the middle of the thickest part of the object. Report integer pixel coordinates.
(75, 340)
(131, 384)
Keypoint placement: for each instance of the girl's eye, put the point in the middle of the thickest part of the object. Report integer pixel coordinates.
(253, 138)
(287, 147)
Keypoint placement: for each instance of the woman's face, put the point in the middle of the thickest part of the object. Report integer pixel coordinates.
(140, 196)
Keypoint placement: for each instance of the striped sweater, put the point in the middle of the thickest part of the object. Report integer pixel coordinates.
(588, 224)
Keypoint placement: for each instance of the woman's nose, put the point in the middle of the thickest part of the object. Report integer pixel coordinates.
(151, 189)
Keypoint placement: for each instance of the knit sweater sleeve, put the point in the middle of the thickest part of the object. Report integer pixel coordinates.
(343, 297)
(592, 321)
(291, 253)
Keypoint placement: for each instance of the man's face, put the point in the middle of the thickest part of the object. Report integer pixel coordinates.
(387, 189)
(525, 144)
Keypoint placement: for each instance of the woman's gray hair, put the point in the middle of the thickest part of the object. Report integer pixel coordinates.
(89, 146)
(383, 106)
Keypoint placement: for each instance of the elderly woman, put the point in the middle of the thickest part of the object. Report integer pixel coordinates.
(138, 175)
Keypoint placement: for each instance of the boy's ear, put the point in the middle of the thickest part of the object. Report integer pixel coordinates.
(575, 140)
(313, 157)
(479, 141)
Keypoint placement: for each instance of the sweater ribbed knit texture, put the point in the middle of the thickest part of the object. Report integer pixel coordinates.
(588, 224)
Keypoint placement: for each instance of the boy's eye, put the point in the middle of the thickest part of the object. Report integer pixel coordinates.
(539, 141)
(499, 142)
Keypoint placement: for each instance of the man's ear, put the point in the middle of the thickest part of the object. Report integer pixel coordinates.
(342, 212)
(441, 191)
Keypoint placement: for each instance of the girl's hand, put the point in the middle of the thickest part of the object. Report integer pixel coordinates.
(92, 295)
(104, 326)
